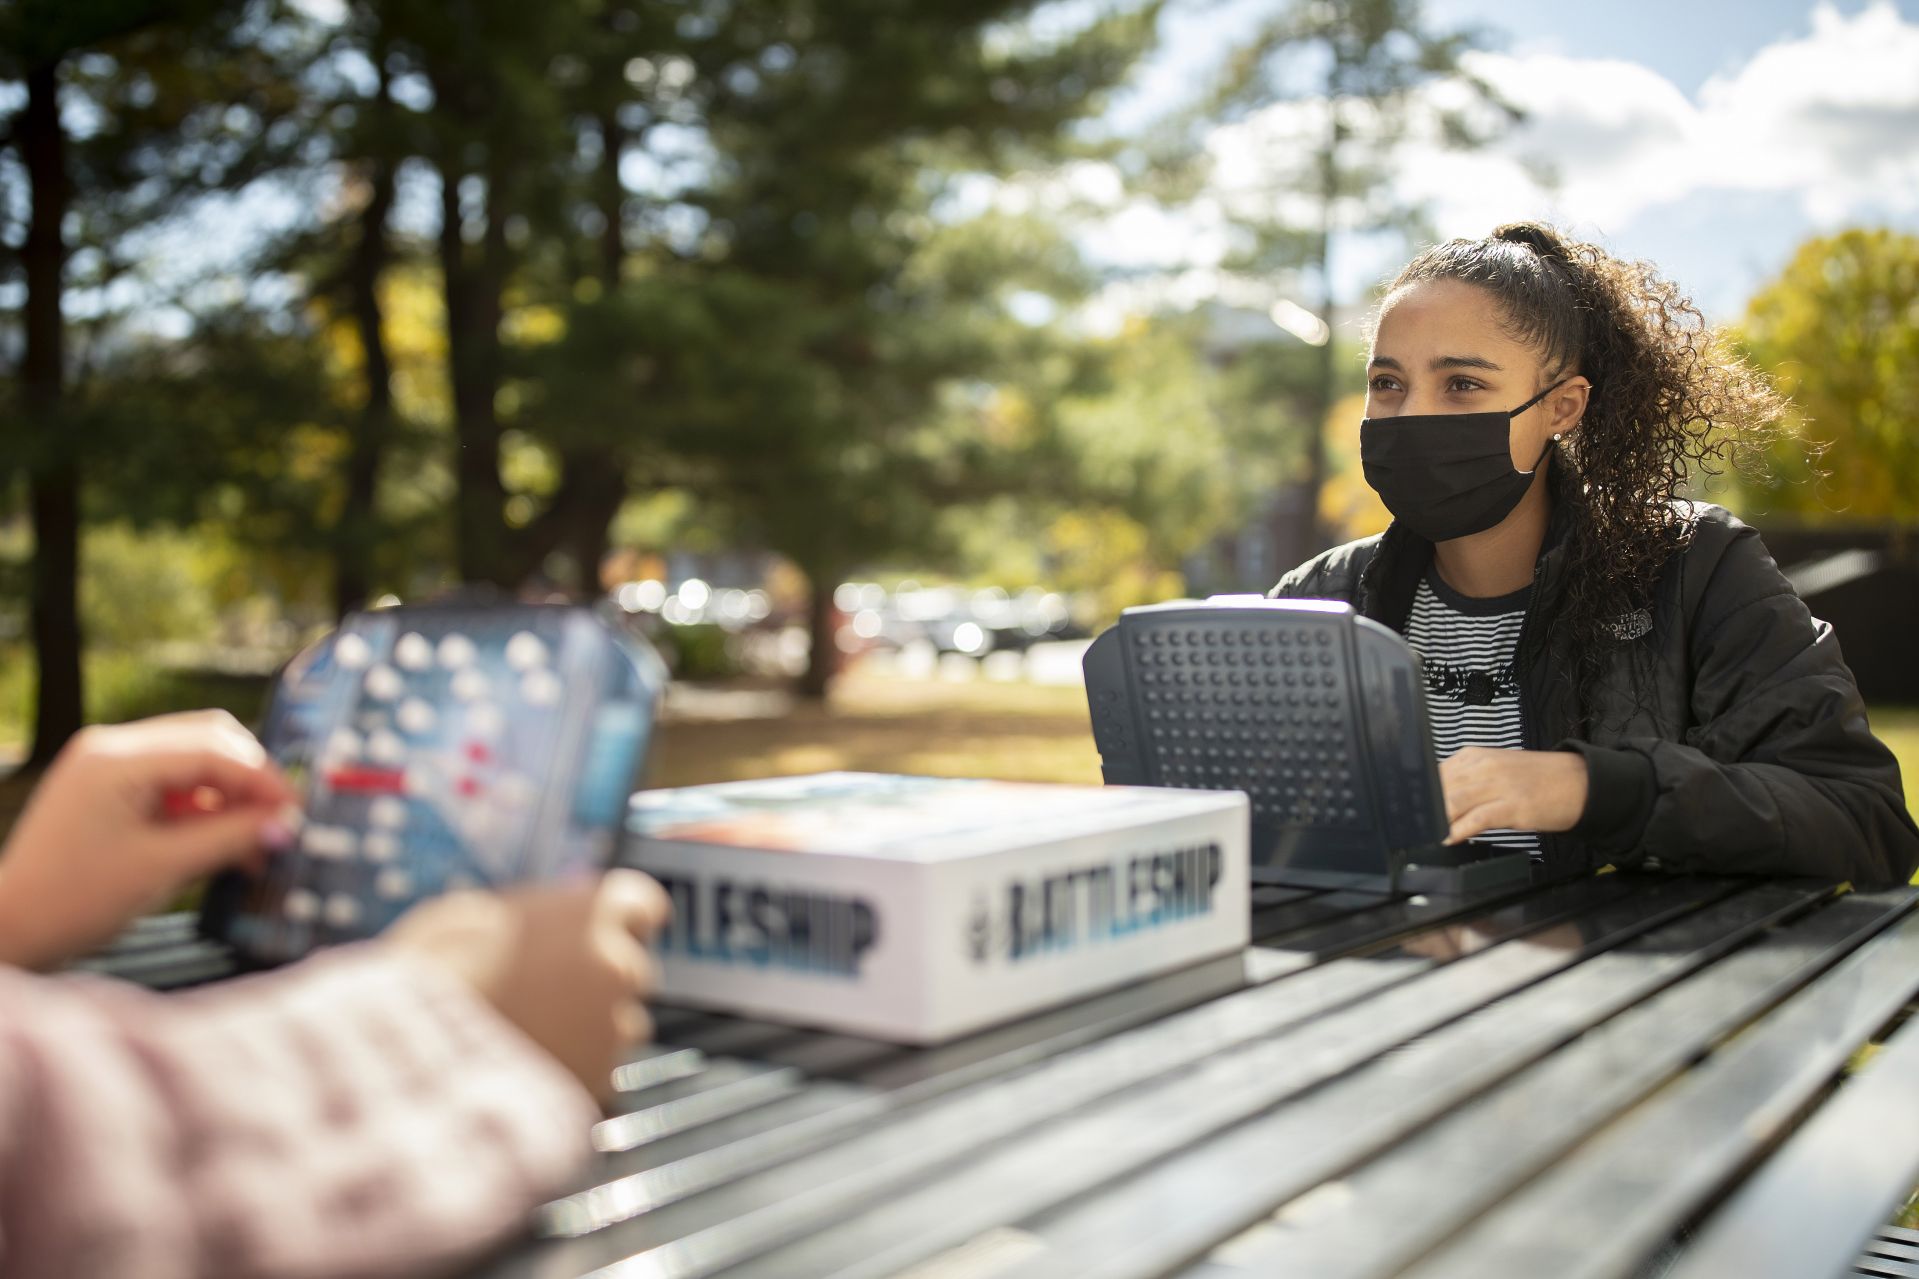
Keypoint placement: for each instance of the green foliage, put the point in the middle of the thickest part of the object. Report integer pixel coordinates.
(699, 651)
(767, 326)
(125, 685)
(865, 309)
(1838, 330)
(139, 590)
(1160, 451)
(1159, 441)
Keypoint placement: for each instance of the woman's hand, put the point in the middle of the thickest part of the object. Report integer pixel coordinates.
(1489, 789)
(124, 818)
(565, 963)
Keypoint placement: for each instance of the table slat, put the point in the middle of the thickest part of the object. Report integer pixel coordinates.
(1439, 1179)
(818, 1098)
(725, 1090)
(1174, 1213)
(1834, 1182)
(844, 1173)
(1416, 915)
(1034, 1039)
(1623, 1193)
(1092, 1145)
(1268, 895)
(1883, 1268)
(1313, 912)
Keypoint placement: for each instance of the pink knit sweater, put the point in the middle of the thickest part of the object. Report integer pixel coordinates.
(361, 1113)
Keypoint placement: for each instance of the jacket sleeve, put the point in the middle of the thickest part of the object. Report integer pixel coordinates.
(360, 1113)
(1315, 579)
(1298, 584)
(1779, 774)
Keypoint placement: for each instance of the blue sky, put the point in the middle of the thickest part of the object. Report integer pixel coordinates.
(1710, 137)
(1686, 41)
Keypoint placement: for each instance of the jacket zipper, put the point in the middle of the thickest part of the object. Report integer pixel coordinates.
(1550, 842)
(1528, 726)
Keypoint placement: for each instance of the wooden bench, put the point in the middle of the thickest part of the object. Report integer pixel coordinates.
(1569, 1081)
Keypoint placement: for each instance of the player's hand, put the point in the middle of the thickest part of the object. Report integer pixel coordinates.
(567, 964)
(1489, 789)
(125, 817)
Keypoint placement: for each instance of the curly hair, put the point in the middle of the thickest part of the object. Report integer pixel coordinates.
(1670, 400)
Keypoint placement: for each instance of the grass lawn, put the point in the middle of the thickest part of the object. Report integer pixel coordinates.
(1017, 732)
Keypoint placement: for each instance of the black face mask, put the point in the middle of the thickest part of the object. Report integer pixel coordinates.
(1447, 475)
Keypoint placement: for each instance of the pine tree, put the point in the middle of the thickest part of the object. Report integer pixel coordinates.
(1357, 74)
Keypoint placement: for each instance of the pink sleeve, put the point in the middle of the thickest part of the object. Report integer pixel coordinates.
(361, 1113)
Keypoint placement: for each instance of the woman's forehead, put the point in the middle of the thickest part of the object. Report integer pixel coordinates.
(1419, 318)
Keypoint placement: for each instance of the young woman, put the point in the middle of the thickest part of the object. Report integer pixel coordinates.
(1613, 675)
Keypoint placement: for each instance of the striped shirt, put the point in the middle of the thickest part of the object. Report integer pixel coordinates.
(1466, 648)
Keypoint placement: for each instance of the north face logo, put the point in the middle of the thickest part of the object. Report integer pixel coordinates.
(1631, 626)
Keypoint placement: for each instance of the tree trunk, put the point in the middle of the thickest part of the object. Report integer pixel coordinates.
(612, 200)
(596, 500)
(822, 627)
(1312, 538)
(576, 522)
(54, 481)
(359, 523)
(601, 469)
(473, 361)
(592, 484)
(1312, 534)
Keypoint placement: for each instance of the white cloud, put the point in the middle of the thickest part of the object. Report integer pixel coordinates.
(1141, 235)
(1118, 230)
(1832, 117)
(1828, 121)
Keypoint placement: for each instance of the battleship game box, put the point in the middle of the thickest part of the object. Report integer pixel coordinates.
(915, 909)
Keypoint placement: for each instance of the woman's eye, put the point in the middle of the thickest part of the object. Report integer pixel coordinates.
(1383, 383)
(1463, 384)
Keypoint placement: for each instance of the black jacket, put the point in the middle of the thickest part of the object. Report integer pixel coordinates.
(1748, 753)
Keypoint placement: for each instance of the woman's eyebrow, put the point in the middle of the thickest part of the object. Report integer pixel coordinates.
(1441, 362)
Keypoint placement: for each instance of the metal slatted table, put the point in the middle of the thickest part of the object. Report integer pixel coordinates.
(1612, 1077)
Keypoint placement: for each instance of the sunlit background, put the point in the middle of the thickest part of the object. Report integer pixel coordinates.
(869, 356)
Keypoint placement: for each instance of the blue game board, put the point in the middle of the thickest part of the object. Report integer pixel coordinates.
(442, 747)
